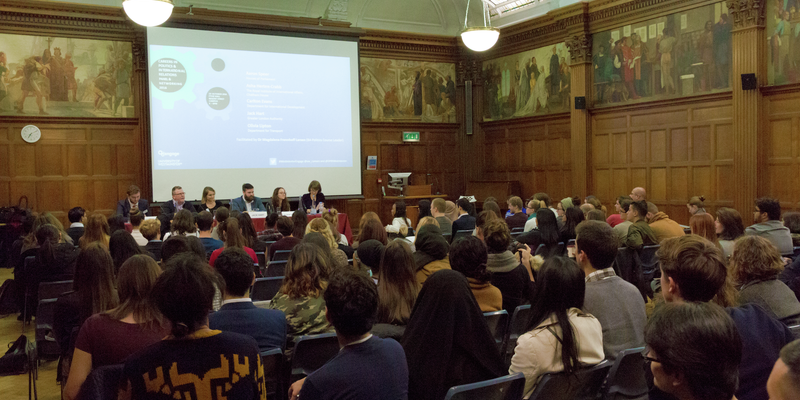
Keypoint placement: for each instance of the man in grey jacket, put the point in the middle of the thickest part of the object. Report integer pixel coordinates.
(767, 218)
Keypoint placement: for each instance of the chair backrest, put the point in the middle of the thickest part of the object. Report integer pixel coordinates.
(561, 249)
(628, 266)
(45, 315)
(281, 255)
(498, 325)
(51, 290)
(266, 288)
(509, 387)
(448, 236)
(517, 229)
(583, 385)
(276, 268)
(540, 250)
(312, 352)
(648, 258)
(262, 259)
(795, 252)
(460, 234)
(515, 234)
(626, 377)
(795, 331)
(102, 383)
(270, 243)
(516, 327)
(272, 361)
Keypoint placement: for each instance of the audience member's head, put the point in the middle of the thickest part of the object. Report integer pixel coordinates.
(370, 253)
(373, 229)
(222, 214)
(271, 220)
(548, 226)
(492, 207)
(427, 221)
(135, 280)
(204, 221)
(236, 268)
(300, 220)
(122, 246)
(702, 224)
(595, 245)
(397, 285)
(585, 208)
(652, 209)
(196, 246)
(515, 204)
(533, 206)
(496, 235)
(174, 245)
(183, 223)
(47, 237)
(791, 220)
(596, 215)
(285, 226)
(430, 245)
(560, 287)
(729, 224)
(230, 233)
(543, 197)
(695, 351)
(692, 269)
(304, 272)
(184, 293)
(491, 198)
(322, 227)
(438, 207)
(595, 202)
(351, 302)
(94, 280)
(767, 209)
(784, 382)
(638, 194)
(248, 229)
(755, 258)
(469, 256)
(150, 229)
(319, 240)
(464, 206)
(451, 210)
(572, 217)
(76, 214)
(484, 217)
(424, 208)
(116, 222)
(96, 230)
(563, 205)
(696, 204)
(332, 217)
(136, 218)
(399, 209)
(637, 211)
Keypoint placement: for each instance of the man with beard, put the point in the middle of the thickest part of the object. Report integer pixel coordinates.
(248, 201)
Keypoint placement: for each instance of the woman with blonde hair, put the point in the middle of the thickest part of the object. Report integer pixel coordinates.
(209, 201)
(319, 225)
(532, 207)
(427, 221)
(450, 210)
(332, 216)
(30, 241)
(97, 230)
(109, 337)
(397, 288)
(755, 265)
(232, 237)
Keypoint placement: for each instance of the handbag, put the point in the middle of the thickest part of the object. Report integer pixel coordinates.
(17, 359)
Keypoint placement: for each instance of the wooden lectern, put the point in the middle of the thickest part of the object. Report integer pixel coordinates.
(418, 190)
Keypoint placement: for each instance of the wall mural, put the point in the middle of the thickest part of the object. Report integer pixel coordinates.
(676, 55)
(64, 77)
(783, 42)
(528, 83)
(402, 90)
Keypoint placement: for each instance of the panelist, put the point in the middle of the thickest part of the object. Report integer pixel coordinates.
(134, 201)
(170, 208)
(248, 201)
(313, 201)
(209, 202)
(279, 201)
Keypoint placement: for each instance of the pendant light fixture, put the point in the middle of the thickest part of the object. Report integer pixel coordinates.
(148, 12)
(479, 38)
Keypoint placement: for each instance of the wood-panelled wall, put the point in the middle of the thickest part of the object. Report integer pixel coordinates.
(782, 146)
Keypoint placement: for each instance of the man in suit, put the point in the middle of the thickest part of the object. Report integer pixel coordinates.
(134, 201)
(238, 313)
(170, 208)
(77, 216)
(464, 221)
(248, 201)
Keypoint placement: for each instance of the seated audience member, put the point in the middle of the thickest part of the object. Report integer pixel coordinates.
(464, 222)
(300, 220)
(400, 222)
(694, 270)
(371, 229)
(248, 200)
(596, 215)
(572, 217)
(694, 351)
(108, 338)
(203, 222)
(621, 229)
(313, 202)
(585, 208)
(170, 208)
(132, 202)
(270, 232)
(702, 224)
(249, 234)
(639, 233)
(424, 209)
(279, 201)
(324, 248)
(438, 208)
(755, 266)
(560, 336)
(508, 273)
(450, 210)
(447, 341)
(93, 292)
(618, 217)
(696, 205)
(791, 220)
(76, 216)
(238, 314)
(431, 254)
(285, 227)
(209, 201)
(338, 257)
(116, 223)
(54, 261)
(367, 367)
(397, 285)
(96, 231)
(184, 294)
(468, 255)
(532, 208)
(545, 234)
(183, 224)
(427, 221)
(561, 209)
(219, 217)
(638, 194)
(595, 202)
(517, 217)
(545, 198)
(661, 225)
(331, 216)
(784, 381)
(174, 246)
(729, 227)
(768, 225)
(300, 297)
(121, 246)
(484, 217)
(369, 261)
(136, 222)
(616, 303)
(151, 230)
(232, 238)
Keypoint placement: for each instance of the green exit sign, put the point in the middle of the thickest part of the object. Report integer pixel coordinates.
(411, 136)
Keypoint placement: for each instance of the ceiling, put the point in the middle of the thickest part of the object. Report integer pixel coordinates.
(436, 17)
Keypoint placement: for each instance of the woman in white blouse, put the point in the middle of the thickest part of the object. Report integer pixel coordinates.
(400, 223)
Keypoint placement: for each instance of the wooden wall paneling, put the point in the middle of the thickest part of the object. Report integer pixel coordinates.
(782, 148)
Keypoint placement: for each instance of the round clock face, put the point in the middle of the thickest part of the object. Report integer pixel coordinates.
(31, 134)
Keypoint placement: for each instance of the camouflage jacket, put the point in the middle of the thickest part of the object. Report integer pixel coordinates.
(304, 315)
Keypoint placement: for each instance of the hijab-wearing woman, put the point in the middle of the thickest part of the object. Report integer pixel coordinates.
(468, 255)
(450, 210)
(729, 227)
(431, 254)
(560, 336)
(447, 341)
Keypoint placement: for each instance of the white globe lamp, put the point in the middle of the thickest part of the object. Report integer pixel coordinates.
(148, 12)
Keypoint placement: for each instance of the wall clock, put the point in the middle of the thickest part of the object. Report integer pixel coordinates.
(31, 134)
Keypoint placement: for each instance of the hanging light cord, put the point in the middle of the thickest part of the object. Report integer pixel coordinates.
(484, 12)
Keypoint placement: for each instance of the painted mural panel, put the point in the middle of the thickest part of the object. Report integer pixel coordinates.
(783, 42)
(529, 83)
(681, 54)
(63, 77)
(403, 90)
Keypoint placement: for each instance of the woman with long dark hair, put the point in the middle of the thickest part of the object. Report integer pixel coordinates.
(300, 220)
(729, 227)
(397, 286)
(572, 217)
(468, 255)
(560, 336)
(122, 246)
(232, 237)
(279, 201)
(249, 233)
(546, 233)
(400, 221)
(182, 224)
(424, 209)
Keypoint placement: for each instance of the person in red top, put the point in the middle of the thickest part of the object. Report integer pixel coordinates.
(232, 236)
(627, 68)
(616, 219)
